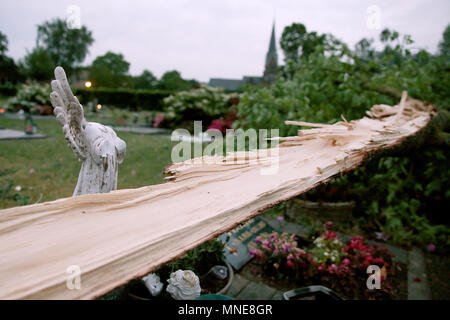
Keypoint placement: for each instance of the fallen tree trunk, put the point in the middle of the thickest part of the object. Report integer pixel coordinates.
(124, 234)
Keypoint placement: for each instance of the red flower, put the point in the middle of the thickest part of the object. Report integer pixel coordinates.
(330, 235)
(321, 267)
(290, 264)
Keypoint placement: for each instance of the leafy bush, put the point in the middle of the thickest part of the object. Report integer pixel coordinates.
(8, 90)
(124, 98)
(396, 195)
(321, 90)
(204, 103)
(30, 95)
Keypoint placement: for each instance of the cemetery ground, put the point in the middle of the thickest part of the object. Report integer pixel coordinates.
(45, 169)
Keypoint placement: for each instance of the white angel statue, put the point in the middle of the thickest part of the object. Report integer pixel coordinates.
(96, 145)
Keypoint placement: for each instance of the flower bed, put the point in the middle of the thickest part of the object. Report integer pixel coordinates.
(327, 261)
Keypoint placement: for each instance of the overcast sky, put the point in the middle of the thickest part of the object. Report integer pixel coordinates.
(226, 38)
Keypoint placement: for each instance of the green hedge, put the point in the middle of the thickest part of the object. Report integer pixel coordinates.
(124, 98)
(8, 90)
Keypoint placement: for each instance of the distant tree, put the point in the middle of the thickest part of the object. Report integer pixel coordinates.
(444, 45)
(172, 80)
(66, 47)
(364, 50)
(297, 42)
(110, 70)
(8, 69)
(145, 81)
(37, 65)
(3, 43)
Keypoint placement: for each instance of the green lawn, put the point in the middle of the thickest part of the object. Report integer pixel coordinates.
(47, 169)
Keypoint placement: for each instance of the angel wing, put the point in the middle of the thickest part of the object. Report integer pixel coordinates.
(69, 113)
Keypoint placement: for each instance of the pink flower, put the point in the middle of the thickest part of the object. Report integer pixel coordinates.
(256, 252)
(346, 262)
(31, 171)
(328, 225)
(286, 247)
(280, 219)
(273, 237)
(267, 244)
(321, 267)
(258, 240)
(431, 247)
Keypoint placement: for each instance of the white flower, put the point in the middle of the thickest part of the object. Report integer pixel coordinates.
(153, 284)
(183, 285)
(18, 188)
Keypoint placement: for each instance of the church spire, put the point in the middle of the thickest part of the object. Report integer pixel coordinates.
(271, 58)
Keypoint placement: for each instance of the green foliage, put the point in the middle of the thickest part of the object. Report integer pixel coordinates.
(124, 98)
(8, 90)
(297, 42)
(66, 47)
(328, 250)
(205, 104)
(30, 95)
(8, 69)
(321, 90)
(37, 65)
(444, 45)
(172, 81)
(398, 196)
(3, 43)
(199, 259)
(109, 70)
(146, 80)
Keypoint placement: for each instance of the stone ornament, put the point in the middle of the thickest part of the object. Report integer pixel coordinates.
(96, 145)
(153, 284)
(184, 285)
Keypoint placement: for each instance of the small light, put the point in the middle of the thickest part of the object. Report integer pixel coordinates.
(88, 84)
(99, 106)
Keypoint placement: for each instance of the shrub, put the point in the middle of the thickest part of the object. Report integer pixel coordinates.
(124, 98)
(30, 95)
(204, 104)
(8, 90)
(400, 196)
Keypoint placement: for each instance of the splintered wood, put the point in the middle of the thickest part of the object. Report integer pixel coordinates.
(118, 236)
